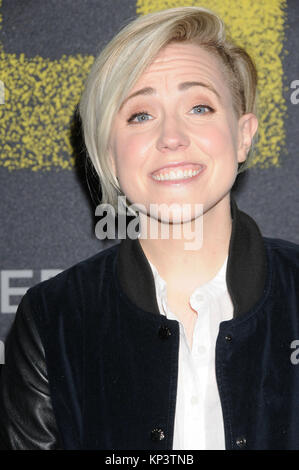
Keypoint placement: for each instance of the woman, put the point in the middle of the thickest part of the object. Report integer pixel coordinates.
(152, 343)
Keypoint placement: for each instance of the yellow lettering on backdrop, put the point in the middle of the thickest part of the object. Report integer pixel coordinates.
(41, 94)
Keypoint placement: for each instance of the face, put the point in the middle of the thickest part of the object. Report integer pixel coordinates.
(180, 142)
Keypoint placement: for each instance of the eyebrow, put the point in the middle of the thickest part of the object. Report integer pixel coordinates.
(181, 87)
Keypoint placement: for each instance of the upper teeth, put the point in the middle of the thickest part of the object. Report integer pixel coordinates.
(174, 175)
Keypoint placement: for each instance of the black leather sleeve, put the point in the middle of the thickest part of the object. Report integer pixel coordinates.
(26, 415)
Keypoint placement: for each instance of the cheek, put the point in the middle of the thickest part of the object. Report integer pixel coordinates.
(131, 152)
(216, 141)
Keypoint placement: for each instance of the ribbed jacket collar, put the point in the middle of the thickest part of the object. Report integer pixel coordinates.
(245, 275)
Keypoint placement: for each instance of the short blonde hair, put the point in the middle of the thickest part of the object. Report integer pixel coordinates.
(124, 59)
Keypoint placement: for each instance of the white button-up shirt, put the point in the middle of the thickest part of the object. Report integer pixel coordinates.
(198, 415)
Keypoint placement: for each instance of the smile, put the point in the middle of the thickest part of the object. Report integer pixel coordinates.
(177, 175)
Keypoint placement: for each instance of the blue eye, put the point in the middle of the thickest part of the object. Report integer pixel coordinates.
(203, 106)
(141, 114)
(137, 115)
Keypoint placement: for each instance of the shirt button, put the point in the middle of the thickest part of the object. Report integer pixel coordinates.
(157, 434)
(164, 332)
(241, 441)
(194, 400)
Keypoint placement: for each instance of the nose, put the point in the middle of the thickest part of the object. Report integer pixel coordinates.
(172, 135)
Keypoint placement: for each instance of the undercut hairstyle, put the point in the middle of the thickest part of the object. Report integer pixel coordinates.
(123, 60)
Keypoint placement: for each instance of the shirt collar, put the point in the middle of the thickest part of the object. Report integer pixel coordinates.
(245, 273)
(215, 286)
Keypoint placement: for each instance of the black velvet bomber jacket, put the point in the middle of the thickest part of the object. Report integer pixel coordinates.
(91, 363)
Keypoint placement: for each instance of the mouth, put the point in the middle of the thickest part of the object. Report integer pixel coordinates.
(178, 173)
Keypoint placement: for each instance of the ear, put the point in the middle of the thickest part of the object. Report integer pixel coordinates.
(248, 124)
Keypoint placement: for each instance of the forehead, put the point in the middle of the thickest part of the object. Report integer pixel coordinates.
(182, 61)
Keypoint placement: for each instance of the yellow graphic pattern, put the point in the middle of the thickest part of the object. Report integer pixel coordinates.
(41, 94)
(40, 100)
(257, 25)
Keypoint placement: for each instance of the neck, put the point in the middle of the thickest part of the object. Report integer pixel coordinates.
(187, 268)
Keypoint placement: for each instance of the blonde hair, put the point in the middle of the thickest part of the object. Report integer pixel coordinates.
(123, 60)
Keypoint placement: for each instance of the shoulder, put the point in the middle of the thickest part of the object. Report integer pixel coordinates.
(82, 270)
(75, 284)
(283, 247)
(284, 253)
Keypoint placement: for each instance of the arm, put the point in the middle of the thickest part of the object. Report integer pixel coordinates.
(26, 415)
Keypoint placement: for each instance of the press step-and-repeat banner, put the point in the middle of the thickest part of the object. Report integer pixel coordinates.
(46, 50)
